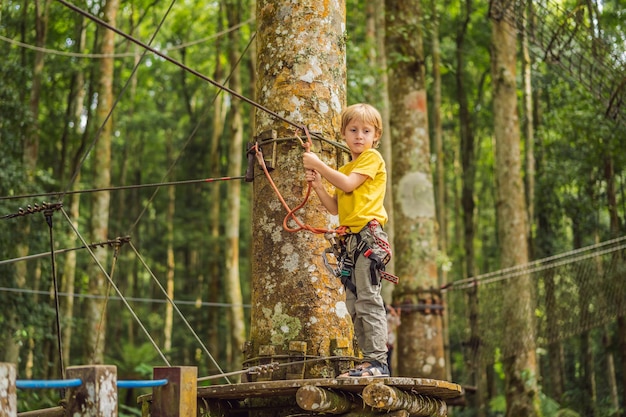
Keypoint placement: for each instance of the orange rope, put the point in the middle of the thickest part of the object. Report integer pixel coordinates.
(291, 213)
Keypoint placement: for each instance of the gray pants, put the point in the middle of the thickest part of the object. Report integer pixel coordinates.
(367, 308)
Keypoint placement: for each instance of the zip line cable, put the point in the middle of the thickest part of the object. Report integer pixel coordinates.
(182, 316)
(117, 290)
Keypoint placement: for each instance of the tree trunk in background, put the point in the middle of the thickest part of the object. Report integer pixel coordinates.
(420, 334)
(529, 128)
(213, 271)
(611, 197)
(518, 356)
(440, 188)
(475, 344)
(30, 157)
(31, 142)
(385, 141)
(468, 154)
(67, 281)
(583, 228)
(545, 203)
(75, 108)
(440, 166)
(232, 279)
(101, 157)
(170, 263)
(297, 305)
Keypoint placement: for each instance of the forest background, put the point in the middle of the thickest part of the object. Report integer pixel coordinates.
(171, 126)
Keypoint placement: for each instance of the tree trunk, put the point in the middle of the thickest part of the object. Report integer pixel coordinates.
(232, 284)
(214, 201)
(29, 160)
(519, 357)
(75, 108)
(297, 305)
(530, 131)
(380, 61)
(96, 315)
(581, 228)
(440, 169)
(420, 334)
(170, 266)
(609, 177)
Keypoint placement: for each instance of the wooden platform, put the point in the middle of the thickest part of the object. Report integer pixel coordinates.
(430, 387)
(348, 397)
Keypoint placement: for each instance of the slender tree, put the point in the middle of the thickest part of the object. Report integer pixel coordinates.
(232, 281)
(420, 335)
(99, 220)
(214, 201)
(529, 126)
(170, 262)
(519, 360)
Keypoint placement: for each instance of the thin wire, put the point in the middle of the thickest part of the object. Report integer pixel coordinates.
(169, 299)
(117, 290)
(123, 54)
(135, 299)
(56, 252)
(121, 187)
(278, 365)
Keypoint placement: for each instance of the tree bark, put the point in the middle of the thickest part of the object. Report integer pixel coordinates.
(214, 201)
(614, 224)
(380, 61)
(519, 357)
(170, 263)
(232, 284)
(96, 315)
(420, 335)
(301, 70)
(529, 128)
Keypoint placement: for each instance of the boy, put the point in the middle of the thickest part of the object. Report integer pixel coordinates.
(358, 200)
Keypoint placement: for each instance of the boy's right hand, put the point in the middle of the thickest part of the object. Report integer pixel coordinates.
(313, 177)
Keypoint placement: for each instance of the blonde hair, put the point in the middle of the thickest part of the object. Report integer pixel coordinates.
(365, 113)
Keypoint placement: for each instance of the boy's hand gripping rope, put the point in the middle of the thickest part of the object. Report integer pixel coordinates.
(291, 212)
(331, 235)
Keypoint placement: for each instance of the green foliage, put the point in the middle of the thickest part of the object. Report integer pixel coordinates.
(162, 105)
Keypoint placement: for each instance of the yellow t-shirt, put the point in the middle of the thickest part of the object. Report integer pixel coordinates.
(365, 203)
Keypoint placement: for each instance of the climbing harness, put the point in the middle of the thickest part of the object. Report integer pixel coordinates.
(344, 263)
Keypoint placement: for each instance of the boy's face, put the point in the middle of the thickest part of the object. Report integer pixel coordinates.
(359, 136)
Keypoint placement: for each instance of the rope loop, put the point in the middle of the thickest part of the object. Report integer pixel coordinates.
(291, 212)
